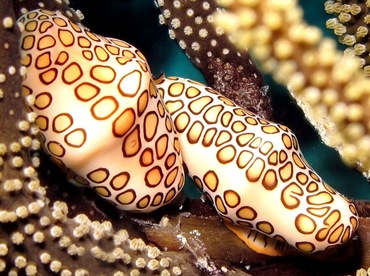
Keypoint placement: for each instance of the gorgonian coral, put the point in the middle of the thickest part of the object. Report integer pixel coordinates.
(329, 86)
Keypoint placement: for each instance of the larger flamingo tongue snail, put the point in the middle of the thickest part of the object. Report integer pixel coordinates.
(100, 113)
(103, 116)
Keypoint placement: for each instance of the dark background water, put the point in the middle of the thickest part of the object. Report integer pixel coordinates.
(136, 21)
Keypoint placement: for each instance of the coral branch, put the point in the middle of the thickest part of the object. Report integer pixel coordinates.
(329, 87)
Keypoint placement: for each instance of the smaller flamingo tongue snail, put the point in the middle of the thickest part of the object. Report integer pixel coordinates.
(103, 116)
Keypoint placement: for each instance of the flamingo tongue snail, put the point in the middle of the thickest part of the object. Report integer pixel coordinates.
(99, 112)
(255, 173)
(103, 116)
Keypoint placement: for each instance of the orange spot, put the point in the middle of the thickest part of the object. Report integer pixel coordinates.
(120, 181)
(320, 199)
(212, 114)
(302, 178)
(223, 137)
(127, 197)
(28, 42)
(318, 212)
(244, 158)
(305, 224)
(132, 143)
(44, 26)
(220, 206)
(305, 246)
(298, 161)
(150, 125)
(161, 146)
(143, 203)
(83, 42)
(199, 104)
(98, 175)
(272, 160)
(128, 54)
(104, 108)
(171, 177)
(174, 106)
(72, 73)
(210, 179)
(286, 172)
(226, 154)
(244, 139)
(232, 198)
(66, 37)
(290, 196)
(270, 181)
(246, 213)
(62, 122)
(266, 147)
(192, 92)
(182, 121)
(226, 101)
(87, 54)
(45, 42)
(130, 84)
(124, 122)
(43, 61)
(59, 21)
(101, 54)
(43, 100)
(170, 160)
(86, 91)
(153, 177)
(255, 170)
(170, 195)
(238, 126)
(251, 121)
(287, 140)
(176, 89)
(48, 76)
(112, 49)
(62, 58)
(336, 234)
(195, 132)
(256, 142)
(312, 187)
(42, 122)
(270, 129)
(102, 191)
(142, 102)
(104, 74)
(157, 199)
(56, 149)
(226, 118)
(26, 60)
(265, 227)
(76, 138)
(146, 158)
(209, 136)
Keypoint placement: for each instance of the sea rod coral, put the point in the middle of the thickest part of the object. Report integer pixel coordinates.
(226, 68)
(329, 86)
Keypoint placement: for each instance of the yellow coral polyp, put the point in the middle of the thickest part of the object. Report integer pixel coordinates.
(326, 83)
